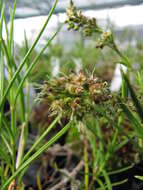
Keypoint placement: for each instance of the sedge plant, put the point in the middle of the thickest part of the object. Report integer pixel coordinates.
(74, 97)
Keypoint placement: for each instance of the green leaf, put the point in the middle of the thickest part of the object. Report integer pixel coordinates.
(133, 120)
(136, 102)
(139, 177)
(107, 180)
(49, 128)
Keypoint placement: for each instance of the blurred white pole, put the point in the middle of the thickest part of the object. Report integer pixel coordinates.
(55, 66)
(117, 79)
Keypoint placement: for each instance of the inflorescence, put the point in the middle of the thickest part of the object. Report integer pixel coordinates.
(77, 21)
(73, 95)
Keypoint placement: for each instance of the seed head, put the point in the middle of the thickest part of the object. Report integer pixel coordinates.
(77, 21)
(74, 95)
(88, 26)
(106, 39)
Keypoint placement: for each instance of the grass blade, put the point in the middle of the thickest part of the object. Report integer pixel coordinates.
(41, 137)
(135, 123)
(136, 102)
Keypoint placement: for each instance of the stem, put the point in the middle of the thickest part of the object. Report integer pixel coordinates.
(38, 181)
(41, 138)
(121, 55)
(12, 90)
(1, 83)
(1, 63)
(13, 123)
(27, 99)
(86, 168)
(21, 146)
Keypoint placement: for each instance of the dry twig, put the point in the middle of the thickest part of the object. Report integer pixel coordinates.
(71, 176)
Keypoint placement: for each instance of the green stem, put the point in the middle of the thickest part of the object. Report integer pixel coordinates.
(121, 55)
(86, 170)
(1, 63)
(1, 83)
(41, 138)
(13, 123)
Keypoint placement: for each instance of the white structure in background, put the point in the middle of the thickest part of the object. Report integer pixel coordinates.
(56, 66)
(117, 79)
(121, 17)
(78, 64)
(32, 27)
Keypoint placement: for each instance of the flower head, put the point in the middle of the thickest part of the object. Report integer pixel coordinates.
(106, 39)
(76, 20)
(74, 95)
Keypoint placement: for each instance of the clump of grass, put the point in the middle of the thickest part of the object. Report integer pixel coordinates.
(13, 160)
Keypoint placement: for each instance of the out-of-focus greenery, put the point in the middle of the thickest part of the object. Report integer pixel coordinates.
(82, 55)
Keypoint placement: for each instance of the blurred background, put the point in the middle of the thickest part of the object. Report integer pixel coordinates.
(30, 15)
(70, 50)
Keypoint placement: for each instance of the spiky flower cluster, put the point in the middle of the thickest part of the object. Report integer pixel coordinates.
(105, 39)
(77, 21)
(73, 95)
